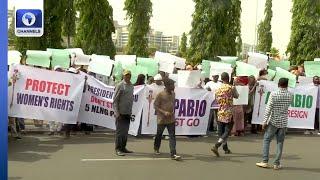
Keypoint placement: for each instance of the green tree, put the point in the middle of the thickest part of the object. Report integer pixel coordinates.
(51, 37)
(139, 13)
(274, 52)
(11, 33)
(183, 45)
(216, 29)
(95, 28)
(69, 21)
(264, 29)
(304, 42)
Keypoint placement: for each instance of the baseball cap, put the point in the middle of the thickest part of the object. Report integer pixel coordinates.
(57, 67)
(72, 70)
(126, 72)
(157, 77)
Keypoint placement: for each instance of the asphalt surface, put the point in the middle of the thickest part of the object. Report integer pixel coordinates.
(92, 157)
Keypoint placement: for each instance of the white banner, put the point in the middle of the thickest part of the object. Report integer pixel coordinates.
(97, 106)
(258, 60)
(243, 95)
(189, 79)
(192, 109)
(45, 95)
(301, 113)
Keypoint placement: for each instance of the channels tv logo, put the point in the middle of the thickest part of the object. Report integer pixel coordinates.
(29, 23)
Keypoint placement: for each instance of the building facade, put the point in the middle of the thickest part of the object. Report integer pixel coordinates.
(156, 40)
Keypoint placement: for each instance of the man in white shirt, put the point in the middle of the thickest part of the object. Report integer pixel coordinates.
(213, 86)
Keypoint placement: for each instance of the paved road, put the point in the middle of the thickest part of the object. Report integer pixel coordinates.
(39, 157)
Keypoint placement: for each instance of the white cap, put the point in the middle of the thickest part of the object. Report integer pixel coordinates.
(72, 70)
(157, 77)
(57, 67)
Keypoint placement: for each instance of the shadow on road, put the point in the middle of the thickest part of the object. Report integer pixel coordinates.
(33, 148)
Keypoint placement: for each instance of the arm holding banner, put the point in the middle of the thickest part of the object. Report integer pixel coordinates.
(235, 92)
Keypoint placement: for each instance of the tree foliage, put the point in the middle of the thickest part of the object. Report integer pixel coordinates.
(69, 20)
(274, 52)
(95, 28)
(139, 13)
(215, 30)
(183, 45)
(264, 29)
(304, 42)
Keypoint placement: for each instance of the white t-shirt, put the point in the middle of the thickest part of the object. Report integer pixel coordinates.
(212, 85)
(156, 89)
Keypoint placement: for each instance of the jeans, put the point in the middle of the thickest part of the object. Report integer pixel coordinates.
(172, 137)
(122, 128)
(270, 132)
(224, 130)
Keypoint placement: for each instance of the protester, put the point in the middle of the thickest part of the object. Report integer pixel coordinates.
(164, 105)
(55, 126)
(224, 96)
(140, 80)
(238, 114)
(189, 68)
(301, 71)
(157, 86)
(150, 80)
(122, 105)
(263, 75)
(275, 122)
(213, 86)
(316, 82)
(249, 108)
(68, 127)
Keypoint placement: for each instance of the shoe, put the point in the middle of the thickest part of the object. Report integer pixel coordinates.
(262, 165)
(126, 151)
(156, 152)
(319, 133)
(166, 137)
(227, 152)
(176, 157)
(215, 151)
(277, 167)
(119, 153)
(17, 138)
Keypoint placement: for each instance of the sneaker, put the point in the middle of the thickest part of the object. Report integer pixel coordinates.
(119, 153)
(319, 133)
(215, 151)
(176, 157)
(277, 167)
(126, 151)
(262, 165)
(227, 152)
(18, 138)
(156, 152)
(166, 137)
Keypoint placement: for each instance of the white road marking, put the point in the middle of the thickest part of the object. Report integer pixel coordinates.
(131, 159)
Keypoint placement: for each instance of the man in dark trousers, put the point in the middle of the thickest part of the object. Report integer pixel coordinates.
(275, 122)
(122, 105)
(164, 106)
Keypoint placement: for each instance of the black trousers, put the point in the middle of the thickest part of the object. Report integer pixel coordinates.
(172, 137)
(122, 128)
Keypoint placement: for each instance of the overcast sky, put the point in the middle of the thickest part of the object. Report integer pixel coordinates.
(173, 17)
